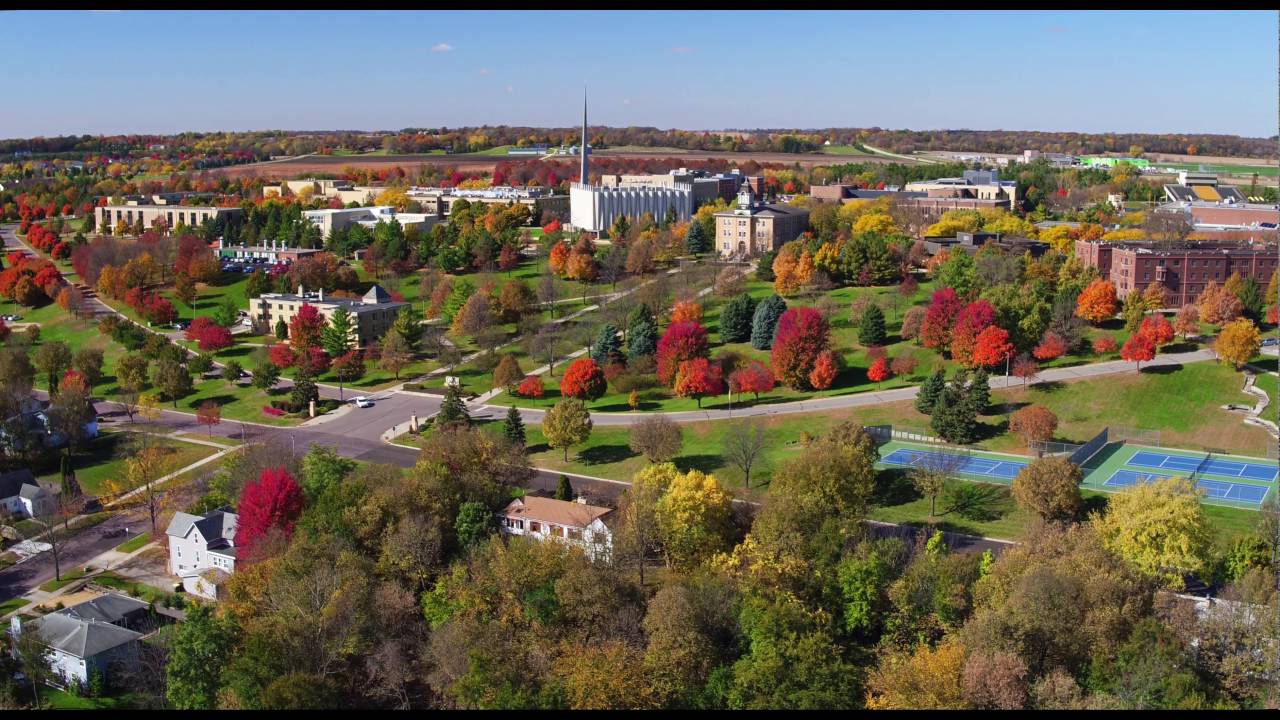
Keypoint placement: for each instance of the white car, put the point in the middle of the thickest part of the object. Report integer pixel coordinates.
(362, 402)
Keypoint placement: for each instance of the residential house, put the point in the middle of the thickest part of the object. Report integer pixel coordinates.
(575, 523)
(94, 636)
(202, 550)
(22, 496)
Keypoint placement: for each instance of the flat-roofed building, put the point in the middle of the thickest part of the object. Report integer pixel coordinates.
(108, 216)
(539, 200)
(754, 227)
(974, 184)
(372, 314)
(706, 188)
(1184, 269)
(330, 220)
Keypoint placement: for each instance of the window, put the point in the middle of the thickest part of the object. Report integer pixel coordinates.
(535, 526)
(573, 533)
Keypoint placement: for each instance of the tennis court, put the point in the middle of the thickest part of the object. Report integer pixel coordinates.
(1218, 489)
(970, 465)
(1215, 466)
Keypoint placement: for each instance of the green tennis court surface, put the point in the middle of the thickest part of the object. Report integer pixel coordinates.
(1228, 480)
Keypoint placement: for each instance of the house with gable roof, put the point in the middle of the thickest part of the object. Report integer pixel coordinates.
(202, 550)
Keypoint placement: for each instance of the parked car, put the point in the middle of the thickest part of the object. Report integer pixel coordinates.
(362, 402)
(115, 532)
(1270, 341)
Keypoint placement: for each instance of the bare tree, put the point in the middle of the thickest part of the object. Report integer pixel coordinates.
(548, 292)
(128, 396)
(1167, 226)
(657, 437)
(744, 443)
(931, 470)
(546, 345)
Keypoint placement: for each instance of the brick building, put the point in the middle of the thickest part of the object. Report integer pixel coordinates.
(1184, 269)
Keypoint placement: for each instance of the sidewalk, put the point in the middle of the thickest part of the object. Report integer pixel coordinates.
(100, 563)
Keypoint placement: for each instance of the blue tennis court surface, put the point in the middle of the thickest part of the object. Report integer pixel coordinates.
(1215, 466)
(972, 465)
(1220, 489)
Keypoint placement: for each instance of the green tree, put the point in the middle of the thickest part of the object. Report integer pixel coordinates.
(564, 490)
(265, 376)
(53, 359)
(930, 391)
(201, 647)
(1251, 299)
(871, 327)
(1050, 488)
(88, 362)
(513, 427)
(567, 424)
(323, 468)
(979, 391)
(394, 355)
(172, 377)
(765, 321)
(764, 266)
(836, 473)
(408, 326)
(200, 363)
(453, 411)
(953, 416)
(642, 332)
(474, 522)
(735, 320)
(958, 272)
(336, 336)
(282, 329)
(232, 370)
(227, 312)
(257, 284)
(695, 239)
(132, 371)
(607, 347)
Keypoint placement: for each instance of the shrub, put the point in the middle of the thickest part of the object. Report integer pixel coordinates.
(1105, 344)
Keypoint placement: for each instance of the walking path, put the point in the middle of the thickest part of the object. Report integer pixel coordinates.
(1253, 416)
(840, 402)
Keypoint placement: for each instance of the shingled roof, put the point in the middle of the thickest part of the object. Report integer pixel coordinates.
(558, 512)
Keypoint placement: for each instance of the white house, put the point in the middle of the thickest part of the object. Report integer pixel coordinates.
(87, 637)
(202, 550)
(575, 523)
(21, 495)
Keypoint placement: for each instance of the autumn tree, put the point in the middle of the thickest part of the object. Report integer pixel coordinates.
(923, 678)
(1158, 329)
(686, 311)
(657, 437)
(694, 519)
(682, 341)
(992, 347)
(1238, 342)
(825, 370)
(1033, 423)
(583, 380)
(273, 502)
(508, 373)
(878, 372)
(305, 329)
(1097, 303)
(1050, 347)
(209, 414)
(52, 358)
(567, 424)
(1049, 487)
(1138, 349)
(1187, 321)
(754, 378)
(1160, 528)
(802, 335)
(939, 318)
(394, 354)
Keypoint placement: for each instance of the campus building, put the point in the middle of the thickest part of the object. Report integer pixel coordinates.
(846, 193)
(706, 187)
(755, 227)
(330, 220)
(972, 242)
(595, 208)
(973, 185)
(273, 252)
(539, 200)
(108, 216)
(371, 315)
(343, 190)
(1184, 268)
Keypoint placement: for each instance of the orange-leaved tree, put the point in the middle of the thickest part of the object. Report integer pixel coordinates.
(1097, 302)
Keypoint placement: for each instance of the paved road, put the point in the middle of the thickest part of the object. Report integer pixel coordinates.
(840, 402)
(74, 552)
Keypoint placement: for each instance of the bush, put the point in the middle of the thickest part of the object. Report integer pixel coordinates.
(272, 410)
(413, 387)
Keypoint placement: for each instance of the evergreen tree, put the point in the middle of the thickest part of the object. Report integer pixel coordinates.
(607, 346)
(695, 239)
(764, 267)
(736, 320)
(953, 417)
(408, 325)
(620, 227)
(1252, 300)
(336, 336)
(257, 284)
(564, 491)
(453, 411)
(670, 218)
(513, 427)
(979, 392)
(282, 329)
(871, 327)
(642, 332)
(765, 321)
(930, 391)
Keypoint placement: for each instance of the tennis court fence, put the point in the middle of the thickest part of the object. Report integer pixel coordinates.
(885, 433)
(1135, 436)
(1081, 455)
(1041, 448)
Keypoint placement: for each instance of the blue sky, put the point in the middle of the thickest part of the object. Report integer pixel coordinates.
(117, 72)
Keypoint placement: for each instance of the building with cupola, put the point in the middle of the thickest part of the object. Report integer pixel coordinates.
(754, 227)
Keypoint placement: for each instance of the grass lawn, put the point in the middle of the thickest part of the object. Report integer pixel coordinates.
(210, 295)
(11, 604)
(54, 699)
(239, 401)
(135, 543)
(843, 150)
(1267, 384)
(104, 459)
(68, 577)
(142, 591)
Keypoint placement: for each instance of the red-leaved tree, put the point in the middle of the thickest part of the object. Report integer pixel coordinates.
(825, 370)
(878, 372)
(1138, 349)
(992, 347)
(801, 336)
(583, 380)
(1051, 347)
(971, 320)
(305, 328)
(281, 355)
(273, 502)
(935, 330)
(531, 387)
(755, 378)
(1105, 344)
(1159, 329)
(682, 341)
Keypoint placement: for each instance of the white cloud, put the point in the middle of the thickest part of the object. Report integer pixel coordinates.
(441, 47)
(484, 71)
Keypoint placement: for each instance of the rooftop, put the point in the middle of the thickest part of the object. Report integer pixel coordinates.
(559, 512)
(80, 637)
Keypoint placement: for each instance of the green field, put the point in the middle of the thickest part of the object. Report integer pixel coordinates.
(1227, 169)
(844, 150)
(1267, 383)
(104, 458)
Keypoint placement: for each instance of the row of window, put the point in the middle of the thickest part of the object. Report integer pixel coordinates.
(540, 527)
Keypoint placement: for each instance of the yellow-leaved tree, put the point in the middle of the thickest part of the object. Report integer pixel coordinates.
(877, 222)
(694, 519)
(1238, 342)
(922, 679)
(1159, 528)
